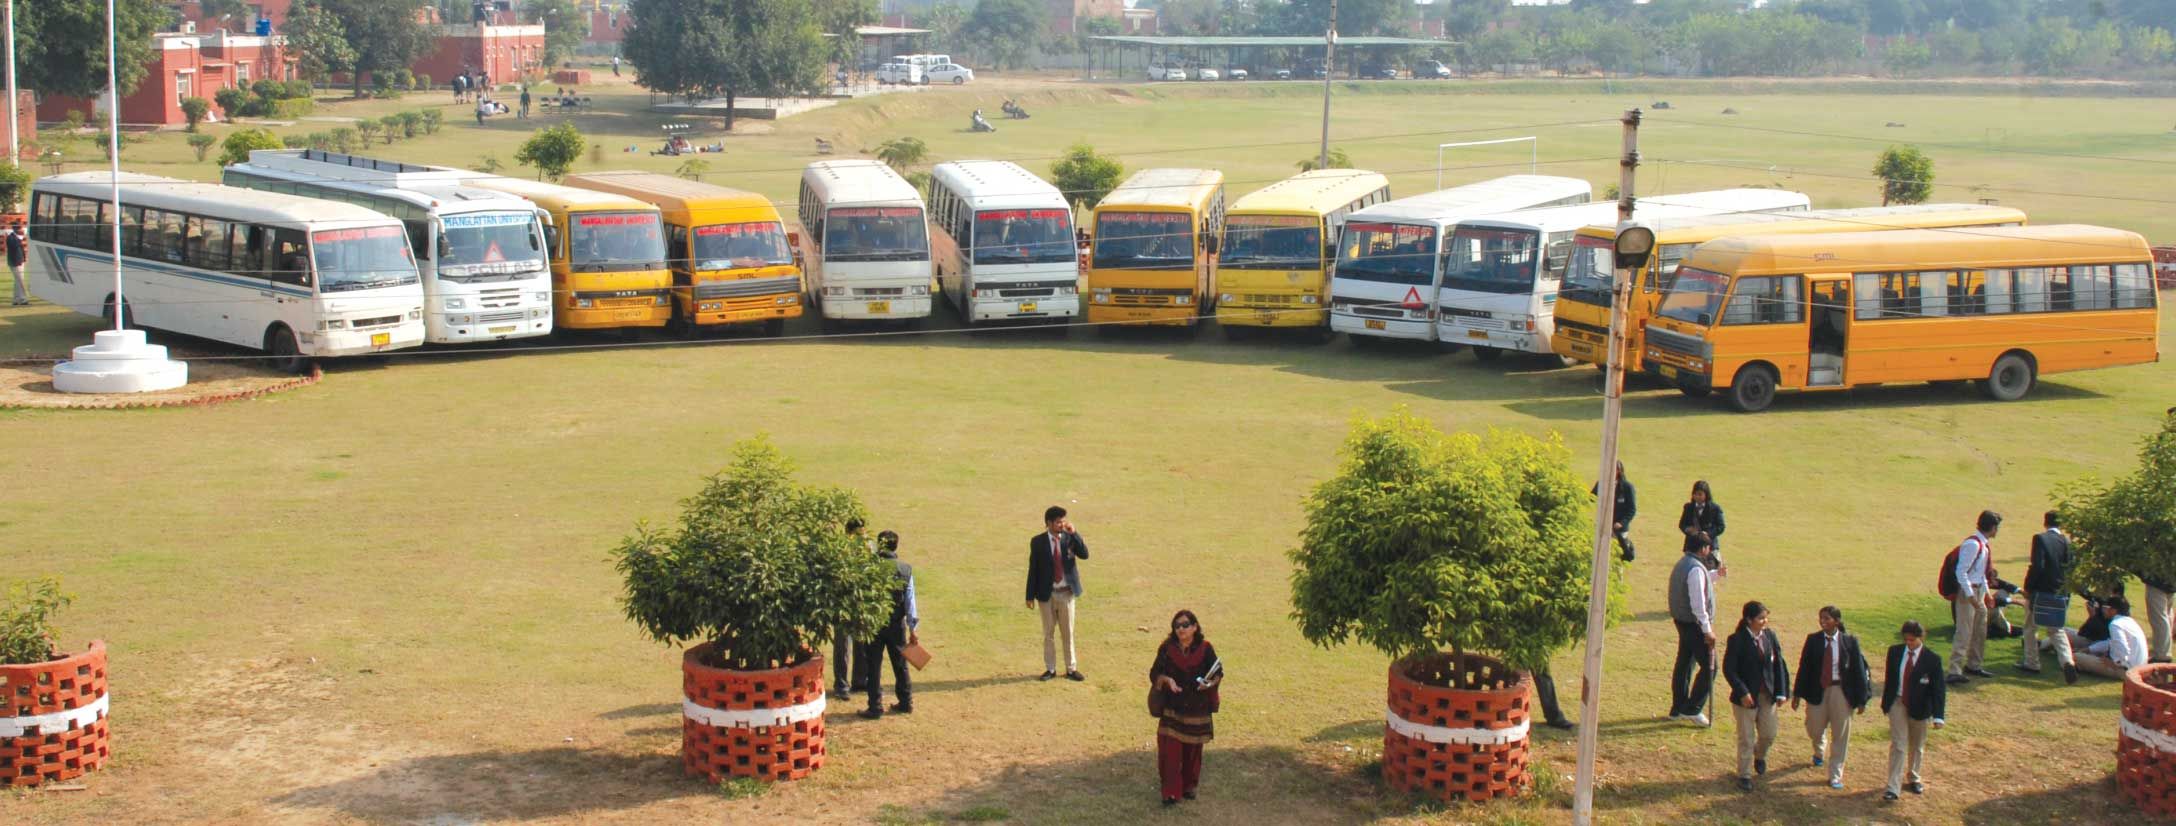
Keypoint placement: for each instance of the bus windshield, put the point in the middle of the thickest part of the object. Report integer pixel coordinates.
(359, 259)
(489, 245)
(1390, 253)
(1696, 296)
(1144, 241)
(1588, 277)
(1272, 242)
(875, 234)
(740, 246)
(1024, 236)
(606, 241)
(1491, 260)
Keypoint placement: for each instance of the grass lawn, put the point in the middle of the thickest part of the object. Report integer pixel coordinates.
(388, 596)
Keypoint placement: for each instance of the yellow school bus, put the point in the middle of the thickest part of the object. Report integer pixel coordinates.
(1154, 248)
(1280, 241)
(608, 255)
(731, 261)
(1751, 315)
(1582, 306)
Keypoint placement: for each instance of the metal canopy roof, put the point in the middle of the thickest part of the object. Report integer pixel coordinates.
(1142, 40)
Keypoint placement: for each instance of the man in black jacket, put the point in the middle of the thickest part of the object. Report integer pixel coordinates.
(1054, 585)
(1833, 682)
(1913, 695)
(2046, 581)
(1627, 506)
(892, 638)
(845, 656)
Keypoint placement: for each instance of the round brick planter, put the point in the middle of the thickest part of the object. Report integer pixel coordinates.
(763, 724)
(2146, 740)
(55, 723)
(1452, 743)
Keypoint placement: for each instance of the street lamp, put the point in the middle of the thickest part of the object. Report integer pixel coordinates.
(1634, 244)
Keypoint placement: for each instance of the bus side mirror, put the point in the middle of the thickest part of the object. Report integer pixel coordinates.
(445, 247)
(1210, 243)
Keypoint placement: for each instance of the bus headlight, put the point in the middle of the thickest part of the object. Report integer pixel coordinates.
(332, 324)
(456, 304)
(460, 319)
(834, 292)
(1183, 301)
(1310, 299)
(543, 298)
(536, 313)
(660, 300)
(584, 303)
(788, 299)
(1102, 296)
(1068, 290)
(1226, 298)
(918, 289)
(415, 315)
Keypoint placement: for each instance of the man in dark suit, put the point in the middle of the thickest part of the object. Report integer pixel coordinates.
(846, 674)
(1054, 585)
(1832, 680)
(2046, 581)
(1913, 695)
(892, 638)
(1628, 506)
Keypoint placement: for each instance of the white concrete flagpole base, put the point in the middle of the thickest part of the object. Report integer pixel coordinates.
(119, 361)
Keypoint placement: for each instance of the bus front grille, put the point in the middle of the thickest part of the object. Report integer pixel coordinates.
(747, 287)
(381, 321)
(494, 318)
(1674, 342)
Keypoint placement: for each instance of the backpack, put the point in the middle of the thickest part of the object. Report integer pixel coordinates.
(1945, 583)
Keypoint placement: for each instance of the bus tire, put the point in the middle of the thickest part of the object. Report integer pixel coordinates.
(283, 353)
(774, 328)
(128, 313)
(1753, 389)
(1487, 354)
(2012, 377)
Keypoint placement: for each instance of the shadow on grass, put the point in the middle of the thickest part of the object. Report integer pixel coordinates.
(496, 785)
(638, 712)
(2093, 801)
(938, 686)
(1670, 404)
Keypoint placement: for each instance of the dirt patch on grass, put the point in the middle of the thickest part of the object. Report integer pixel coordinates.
(28, 384)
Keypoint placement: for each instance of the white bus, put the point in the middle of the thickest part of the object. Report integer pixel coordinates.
(297, 277)
(1385, 282)
(480, 252)
(1003, 242)
(1500, 273)
(868, 242)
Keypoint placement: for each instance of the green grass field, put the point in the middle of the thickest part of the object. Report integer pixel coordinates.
(388, 597)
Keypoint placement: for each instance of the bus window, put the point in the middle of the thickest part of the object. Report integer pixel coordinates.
(2093, 287)
(162, 235)
(212, 245)
(192, 241)
(2032, 290)
(1695, 297)
(756, 244)
(362, 258)
(608, 241)
(287, 259)
(1491, 260)
(1144, 241)
(1272, 242)
(1023, 236)
(1768, 299)
(2134, 286)
(1389, 253)
(876, 234)
(132, 231)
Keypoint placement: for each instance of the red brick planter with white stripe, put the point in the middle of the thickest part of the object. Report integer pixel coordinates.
(767, 725)
(2146, 740)
(1452, 743)
(54, 723)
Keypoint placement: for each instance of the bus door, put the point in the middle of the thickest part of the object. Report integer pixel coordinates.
(1827, 339)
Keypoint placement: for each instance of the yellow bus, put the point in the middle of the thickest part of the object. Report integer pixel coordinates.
(1280, 242)
(1751, 315)
(1582, 306)
(608, 255)
(731, 260)
(1154, 248)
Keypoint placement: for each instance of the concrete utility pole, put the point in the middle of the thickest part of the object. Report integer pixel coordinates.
(15, 146)
(1590, 690)
(1329, 55)
(113, 161)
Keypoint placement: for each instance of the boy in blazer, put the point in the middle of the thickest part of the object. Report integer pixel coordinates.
(1834, 684)
(1054, 585)
(1913, 695)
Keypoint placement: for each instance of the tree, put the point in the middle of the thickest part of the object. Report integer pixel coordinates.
(901, 153)
(194, 109)
(15, 183)
(841, 18)
(2123, 529)
(318, 40)
(202, 144)
(1907, 177)
(552, 151)
(389, 126)
(57, 42)
(368, 129)
(1338, 160)
(945, 21)
(760, 566)
(693, 169)
(1008, 29)
(386, 35)
(1424, 542)
(236, 148)
(1084, 176)
(1354, 17)
(565, 27)
(1908, 57)
(728, 48)
(26, 621)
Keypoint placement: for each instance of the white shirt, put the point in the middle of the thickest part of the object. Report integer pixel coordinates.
(2126, 642)
(1972, 566)
(1835, 663)
(1697, 592)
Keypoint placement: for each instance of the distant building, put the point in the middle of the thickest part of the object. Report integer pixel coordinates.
(502, 52)
(186, 65)
(1067, 15)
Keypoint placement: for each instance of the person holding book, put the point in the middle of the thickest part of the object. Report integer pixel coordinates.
(1183, 683)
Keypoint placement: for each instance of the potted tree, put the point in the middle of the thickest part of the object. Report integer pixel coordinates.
(14, 190)
(2118, 531)
(758, 572)
(1465, 559)
(54, 725)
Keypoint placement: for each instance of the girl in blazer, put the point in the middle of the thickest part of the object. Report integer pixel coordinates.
(1753, 664)
(1702, 515)
(1834, 682)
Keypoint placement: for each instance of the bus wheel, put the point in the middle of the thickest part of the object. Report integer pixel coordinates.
(1487, 354)
(282, 353)
(2011, 379)
(774, 328)
(1754, 388)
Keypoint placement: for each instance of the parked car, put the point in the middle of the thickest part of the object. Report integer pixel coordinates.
(1206, 73)
(1166, 71)
(1235, 74)
(1282, 74)
(1432, 69)
(952, 73)
(901, 73)
(1380, 73)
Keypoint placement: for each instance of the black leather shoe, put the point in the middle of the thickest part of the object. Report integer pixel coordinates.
(902, 708)
(1916, 787)
(841, 690)
(1980, 672)
(1189, 794)
(1888, 796)
(1170, 802)
(1561, 723)
(870, 714)
(1075, 676)
(1760, 766)
(1745, 784)
(1047, 675)
(2070, 675)
(1956, 679)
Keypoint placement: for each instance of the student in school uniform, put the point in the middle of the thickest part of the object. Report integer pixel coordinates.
(1833, 681)
(1914, 696)
(1753, 665)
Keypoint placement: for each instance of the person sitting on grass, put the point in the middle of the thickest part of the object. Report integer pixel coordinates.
(2124, 649)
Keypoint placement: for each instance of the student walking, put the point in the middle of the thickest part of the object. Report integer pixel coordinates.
(2160, 611)
(1054, 587)
(1627, 507)
(615, 65)
(1753, 665)
(846, 674)
(892, 639)
(460, 88)
(1183, 681)
(2124, 649)
(2047, 599)
(18, 256)
(1692, 608)
(525, 100)
(1834, 683)
(1913, 696)
(1702, 517)
(1973, 601)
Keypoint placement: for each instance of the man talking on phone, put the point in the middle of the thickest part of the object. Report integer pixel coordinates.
(1054, 585)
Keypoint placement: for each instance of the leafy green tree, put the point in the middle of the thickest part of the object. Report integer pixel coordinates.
(387, 36)
(1907, 176)
(26, 621)
(201, 144)
(945, 21)
(1338, 160)
(57, 42)
(1908, 57)
(368, 129)
(318, 40)
(15, 184)
(1424, 542)
(389, 126)
(432, 119)
(410, 122)
(238, 144)
(902, 153)
(565, 27)
(840, 17)
(552, 151)
(194, 109)
(1084, 176)
(726, 48)
(1006, 29)
(2122, 529)
(1354, 17)
(692, 169)
(759, 565)
(343, 139)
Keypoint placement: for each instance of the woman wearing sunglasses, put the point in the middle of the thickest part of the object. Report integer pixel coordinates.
(1185, 677)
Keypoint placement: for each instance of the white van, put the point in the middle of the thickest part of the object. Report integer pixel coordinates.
(901, 73)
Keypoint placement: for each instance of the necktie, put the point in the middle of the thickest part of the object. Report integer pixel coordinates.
(1057, 559)
(1909, 658)
(1828, 674)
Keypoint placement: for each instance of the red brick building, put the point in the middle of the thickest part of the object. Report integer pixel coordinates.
(187, 65)
(607, 24)
(26, 121)
(1065, 15)
(501, 52)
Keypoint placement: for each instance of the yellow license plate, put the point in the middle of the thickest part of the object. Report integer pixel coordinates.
(1027, 306)
(1582, 349)
(880, 307)
(1477, 333)
(1669, 372)
(1265, 318)
(1374, 324)
(497, 331)
(381, 339)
